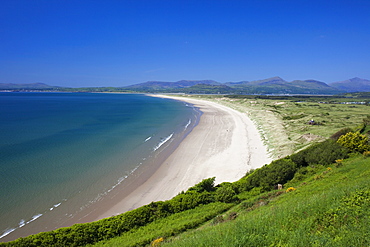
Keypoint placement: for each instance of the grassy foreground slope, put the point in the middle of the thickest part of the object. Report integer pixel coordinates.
(329, 207)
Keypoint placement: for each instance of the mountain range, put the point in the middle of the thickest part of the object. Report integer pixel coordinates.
(274, 85)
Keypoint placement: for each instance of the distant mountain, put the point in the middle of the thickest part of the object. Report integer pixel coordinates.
(26, 86)
(268, 81)
(352, 85)
(277, 85)
(206, 89)
(160, 85)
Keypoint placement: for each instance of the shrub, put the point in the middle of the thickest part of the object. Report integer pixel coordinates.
(324, 153)
(355, 142)
(225, 193)
(277, 172)
(207, 184)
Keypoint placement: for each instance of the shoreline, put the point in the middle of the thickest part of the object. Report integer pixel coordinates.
(225, 144)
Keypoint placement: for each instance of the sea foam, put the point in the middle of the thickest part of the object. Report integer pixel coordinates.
(163, 142)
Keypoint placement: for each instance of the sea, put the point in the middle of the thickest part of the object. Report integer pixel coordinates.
(61, 153)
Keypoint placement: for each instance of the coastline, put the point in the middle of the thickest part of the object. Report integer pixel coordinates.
(225, 144)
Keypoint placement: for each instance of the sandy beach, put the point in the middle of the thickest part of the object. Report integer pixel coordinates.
(225, 144)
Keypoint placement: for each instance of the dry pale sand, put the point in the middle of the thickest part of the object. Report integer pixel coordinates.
(225, 144)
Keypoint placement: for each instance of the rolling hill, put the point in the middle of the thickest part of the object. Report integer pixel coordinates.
(352, 85)
(26, 86)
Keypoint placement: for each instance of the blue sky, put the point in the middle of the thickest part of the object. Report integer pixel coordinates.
(118, 43)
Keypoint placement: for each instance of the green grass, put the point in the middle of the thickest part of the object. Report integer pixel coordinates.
(169, 226)
(328, 208)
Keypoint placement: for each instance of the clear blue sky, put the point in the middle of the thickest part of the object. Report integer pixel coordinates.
(117, 43)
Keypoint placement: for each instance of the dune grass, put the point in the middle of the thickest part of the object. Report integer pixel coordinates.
(283, 122)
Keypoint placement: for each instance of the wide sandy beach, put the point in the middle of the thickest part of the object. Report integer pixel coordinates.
(225, 144)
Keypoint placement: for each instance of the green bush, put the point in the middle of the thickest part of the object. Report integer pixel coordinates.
(324, 153)
(207, 184)
(277, 172)
(225, 193)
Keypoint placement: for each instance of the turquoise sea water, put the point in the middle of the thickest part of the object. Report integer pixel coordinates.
(62, 152)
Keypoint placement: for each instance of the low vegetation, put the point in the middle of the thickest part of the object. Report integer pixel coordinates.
(318, 196)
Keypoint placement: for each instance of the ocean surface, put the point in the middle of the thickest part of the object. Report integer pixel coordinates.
(60, 153)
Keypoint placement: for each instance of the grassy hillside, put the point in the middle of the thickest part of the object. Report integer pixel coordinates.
(330, 206)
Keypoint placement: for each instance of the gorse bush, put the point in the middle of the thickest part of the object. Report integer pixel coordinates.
(355, 142)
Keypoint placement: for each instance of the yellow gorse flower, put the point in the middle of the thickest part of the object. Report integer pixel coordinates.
(290, 189)
(156, 242)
